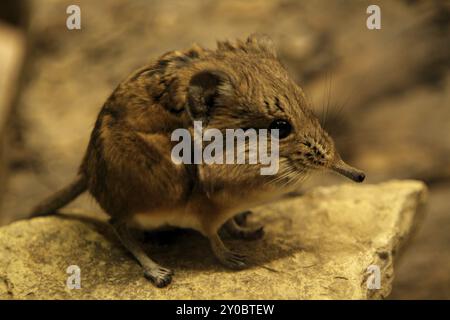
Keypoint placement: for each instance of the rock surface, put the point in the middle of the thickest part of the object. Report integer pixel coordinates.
(317, 246)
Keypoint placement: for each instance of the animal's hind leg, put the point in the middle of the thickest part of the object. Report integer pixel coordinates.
(160, 276)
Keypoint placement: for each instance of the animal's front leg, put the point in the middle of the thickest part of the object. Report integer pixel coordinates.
(227, 257)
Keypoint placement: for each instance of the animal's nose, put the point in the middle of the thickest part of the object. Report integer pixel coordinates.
(348, 171)
(360, 177)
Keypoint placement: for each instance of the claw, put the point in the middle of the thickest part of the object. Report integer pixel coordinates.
(234, 260)
(258, 233)
(160, 277)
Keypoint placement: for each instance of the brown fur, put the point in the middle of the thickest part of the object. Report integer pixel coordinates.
(127, 166)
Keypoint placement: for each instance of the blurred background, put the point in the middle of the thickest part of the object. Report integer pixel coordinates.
(385, 93)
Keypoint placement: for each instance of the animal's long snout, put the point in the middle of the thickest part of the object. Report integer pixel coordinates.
(348, 171)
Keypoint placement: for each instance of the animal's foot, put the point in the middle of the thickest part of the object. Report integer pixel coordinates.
(227, 257)
(246, 233)
(241, 218)
(159, 276)
(253, 233)
(233, 260)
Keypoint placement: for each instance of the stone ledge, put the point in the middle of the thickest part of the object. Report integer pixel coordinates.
(317, 246)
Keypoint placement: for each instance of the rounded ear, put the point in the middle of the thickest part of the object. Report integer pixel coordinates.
(204, 89)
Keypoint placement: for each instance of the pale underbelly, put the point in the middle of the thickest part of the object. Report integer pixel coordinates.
(161, 219)
(185, 218)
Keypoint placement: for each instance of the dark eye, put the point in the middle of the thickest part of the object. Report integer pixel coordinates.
(283, 126)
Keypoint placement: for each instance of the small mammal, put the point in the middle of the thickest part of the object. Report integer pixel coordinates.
(127, 166)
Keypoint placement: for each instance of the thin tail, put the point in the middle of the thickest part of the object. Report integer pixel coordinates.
(61, 198)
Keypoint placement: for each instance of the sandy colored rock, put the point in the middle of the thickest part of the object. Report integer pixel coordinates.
(317, 246)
